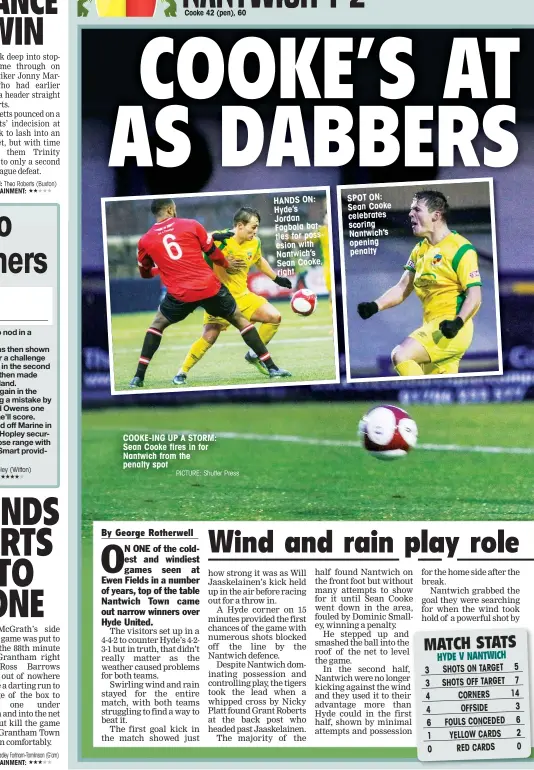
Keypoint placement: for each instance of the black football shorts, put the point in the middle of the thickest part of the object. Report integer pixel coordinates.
(221, 304)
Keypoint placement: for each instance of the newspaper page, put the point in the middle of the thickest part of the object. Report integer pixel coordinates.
(34, 80)
(304, 230)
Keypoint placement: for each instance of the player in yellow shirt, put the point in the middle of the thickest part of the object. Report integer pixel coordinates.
(324, 243)
(322, 236)
(443, 270)
(325, 250)
(243, 244)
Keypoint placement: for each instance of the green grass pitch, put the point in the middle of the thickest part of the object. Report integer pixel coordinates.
(292, 479)
(304, 345)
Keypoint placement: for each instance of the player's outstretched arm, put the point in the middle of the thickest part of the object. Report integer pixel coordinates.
(216, 255)
(145, 263)
(392, 297)
(367, 309)
(235, 265)
(230, 264)
(208, 246)
(472, 302)
(149, 272)
(267, 270)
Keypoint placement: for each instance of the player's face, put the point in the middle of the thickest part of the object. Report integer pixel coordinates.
(247, 230)
(421, 219)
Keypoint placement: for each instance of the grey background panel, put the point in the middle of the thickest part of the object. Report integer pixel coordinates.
(26, 460)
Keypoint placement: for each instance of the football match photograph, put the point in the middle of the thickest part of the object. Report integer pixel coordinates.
(419, 275)
(366, 447)
(219, 290)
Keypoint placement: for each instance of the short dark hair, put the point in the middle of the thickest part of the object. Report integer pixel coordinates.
(159, 204)
(245, 214)
(435, 201)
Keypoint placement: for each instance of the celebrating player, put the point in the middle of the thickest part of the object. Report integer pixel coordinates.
(443, 270)
(241, 243)
(173, 248)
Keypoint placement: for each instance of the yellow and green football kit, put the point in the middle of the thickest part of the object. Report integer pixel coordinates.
(325, 252)
(250, 253)
(442, 275)
(236, 283)
(322, 236)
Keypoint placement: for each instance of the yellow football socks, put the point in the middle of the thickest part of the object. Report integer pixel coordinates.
(408, 369)
(267, 332)
(197, 350)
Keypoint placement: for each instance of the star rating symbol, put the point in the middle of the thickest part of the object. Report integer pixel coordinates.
(11, 477)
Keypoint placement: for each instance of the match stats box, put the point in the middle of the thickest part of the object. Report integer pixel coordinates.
(472, 694)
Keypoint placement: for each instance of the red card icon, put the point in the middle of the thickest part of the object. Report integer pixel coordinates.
(140, 7)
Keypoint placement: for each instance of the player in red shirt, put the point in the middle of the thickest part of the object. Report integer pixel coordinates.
(173, 249)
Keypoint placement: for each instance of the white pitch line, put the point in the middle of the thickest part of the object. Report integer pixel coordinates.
(287, 439)
(287, 327)
(239, 343)
(357, 444)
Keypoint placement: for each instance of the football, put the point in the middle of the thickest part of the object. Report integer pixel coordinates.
(388, 432)
(303, 302)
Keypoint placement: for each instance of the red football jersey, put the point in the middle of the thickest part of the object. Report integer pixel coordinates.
(176, 245)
